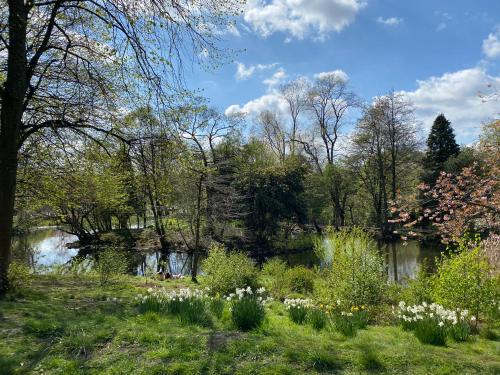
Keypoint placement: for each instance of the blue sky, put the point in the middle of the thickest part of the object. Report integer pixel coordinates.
(440, 54)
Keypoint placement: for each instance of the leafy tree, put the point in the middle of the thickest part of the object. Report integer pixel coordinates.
(66, 64)
(441, 145)
(273, 194)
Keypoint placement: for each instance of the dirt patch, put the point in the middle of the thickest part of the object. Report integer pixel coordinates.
(219, 339)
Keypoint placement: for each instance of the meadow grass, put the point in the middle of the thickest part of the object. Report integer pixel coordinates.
(66, 326)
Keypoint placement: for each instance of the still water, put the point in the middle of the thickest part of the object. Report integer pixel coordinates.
(45, 248)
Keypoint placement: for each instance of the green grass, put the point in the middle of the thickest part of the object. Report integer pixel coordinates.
(66, 326)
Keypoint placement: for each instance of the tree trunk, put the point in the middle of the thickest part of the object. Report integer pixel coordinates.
(10, 127)
(194, 263)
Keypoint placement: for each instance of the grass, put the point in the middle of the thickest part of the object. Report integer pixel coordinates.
(67, 326)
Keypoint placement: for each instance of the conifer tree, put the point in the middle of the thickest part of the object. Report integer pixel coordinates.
(441, 145)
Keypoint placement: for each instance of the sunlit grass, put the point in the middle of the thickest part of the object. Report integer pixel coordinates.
(61, 326)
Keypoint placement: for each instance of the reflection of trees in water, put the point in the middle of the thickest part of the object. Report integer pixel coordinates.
(45, 246)
(403, 262)
(176, 263)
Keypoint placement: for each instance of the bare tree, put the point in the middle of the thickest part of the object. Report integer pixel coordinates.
(329, 100)
(294, 93)
(274, 133)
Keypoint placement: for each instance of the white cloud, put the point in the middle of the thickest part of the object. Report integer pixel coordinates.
(457, 95)
(301, 18)
(275, 79)
(491, 45)
(270, 101)
(245, 72)
(338, 73)
(390, 21)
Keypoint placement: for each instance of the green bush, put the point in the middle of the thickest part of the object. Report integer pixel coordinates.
(465, 280)
(19, 275)
(274, 279)
(354, 267)
(419, 289)
(225, 271)
(300, 279)
(110, 264)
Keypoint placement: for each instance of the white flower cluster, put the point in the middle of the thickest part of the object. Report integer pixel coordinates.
(432, 311)
(259, 295)
(162, 295)
(298, 303)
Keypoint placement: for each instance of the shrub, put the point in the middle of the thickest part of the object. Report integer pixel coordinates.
(297, 309)
(110, 264)
(274, 271)
(247, 308)
(419, 289)
(300, 279)
(354, 267)
(19, 275)
(316, 318)
(464, 279)
(224, 271)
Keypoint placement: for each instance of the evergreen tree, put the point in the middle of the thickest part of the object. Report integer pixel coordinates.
(441, 145)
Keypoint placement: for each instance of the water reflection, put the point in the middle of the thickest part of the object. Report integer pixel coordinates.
(178, 263)
(402, 262)
(45, 248)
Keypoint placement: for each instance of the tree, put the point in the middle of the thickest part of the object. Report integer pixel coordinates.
(294, 93)
(65, 58)
(385, 145)
(208, 195)
(441, 145)
(467, 200)
(274, 133)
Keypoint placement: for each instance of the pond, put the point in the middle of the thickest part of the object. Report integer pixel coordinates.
(45, 248)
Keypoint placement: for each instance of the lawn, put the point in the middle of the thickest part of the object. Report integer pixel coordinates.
(73, 326)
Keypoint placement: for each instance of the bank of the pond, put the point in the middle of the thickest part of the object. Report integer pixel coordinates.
(48, 247)
(73, 326)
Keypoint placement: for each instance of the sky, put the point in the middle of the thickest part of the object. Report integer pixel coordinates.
(443, 55)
